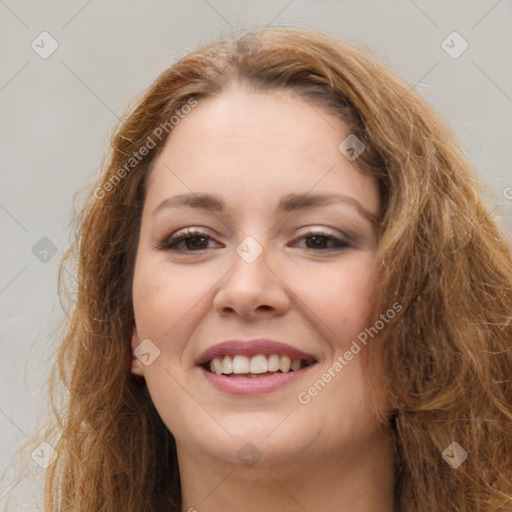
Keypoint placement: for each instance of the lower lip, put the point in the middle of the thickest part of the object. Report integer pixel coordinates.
(255, 385)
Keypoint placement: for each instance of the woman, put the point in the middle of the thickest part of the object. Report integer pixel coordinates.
(290, 297)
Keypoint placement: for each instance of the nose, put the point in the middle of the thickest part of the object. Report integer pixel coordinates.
(252, 289)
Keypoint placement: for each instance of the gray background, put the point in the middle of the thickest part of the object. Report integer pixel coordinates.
(57, 114)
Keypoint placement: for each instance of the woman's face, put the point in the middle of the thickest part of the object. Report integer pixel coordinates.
(258, 265)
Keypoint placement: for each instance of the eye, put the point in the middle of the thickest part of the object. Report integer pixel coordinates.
(320, 239)
(193, 240)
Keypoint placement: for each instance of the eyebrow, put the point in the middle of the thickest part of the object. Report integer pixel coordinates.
(288, 203)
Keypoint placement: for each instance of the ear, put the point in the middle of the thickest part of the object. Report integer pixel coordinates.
(137, 366)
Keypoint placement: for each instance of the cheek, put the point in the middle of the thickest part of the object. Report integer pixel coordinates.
(341, 298)
(162, 298)
(339, 295)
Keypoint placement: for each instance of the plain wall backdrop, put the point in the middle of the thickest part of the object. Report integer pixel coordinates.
(58, 109)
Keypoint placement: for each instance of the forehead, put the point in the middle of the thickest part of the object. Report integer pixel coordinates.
(249, 146)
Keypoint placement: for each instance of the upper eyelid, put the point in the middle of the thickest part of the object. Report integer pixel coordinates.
(191, 232)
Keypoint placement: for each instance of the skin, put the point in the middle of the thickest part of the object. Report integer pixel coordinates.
(250, 149)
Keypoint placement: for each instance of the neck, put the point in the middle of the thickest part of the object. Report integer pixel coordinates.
(358, 480)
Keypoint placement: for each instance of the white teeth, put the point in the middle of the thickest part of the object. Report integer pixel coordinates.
(216, 366)
(285, 364)
(240, 364)
(273, 363)
(295, 365)
(227, 365)
(254, 366)
(259, 364)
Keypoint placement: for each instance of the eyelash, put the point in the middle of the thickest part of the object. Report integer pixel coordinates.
(170, 243)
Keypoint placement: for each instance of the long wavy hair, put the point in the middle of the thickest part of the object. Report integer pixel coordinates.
(447, 356)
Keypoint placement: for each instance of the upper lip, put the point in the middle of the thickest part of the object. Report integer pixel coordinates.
(252, 348)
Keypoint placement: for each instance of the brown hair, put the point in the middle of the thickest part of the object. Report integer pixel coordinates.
(447, 357)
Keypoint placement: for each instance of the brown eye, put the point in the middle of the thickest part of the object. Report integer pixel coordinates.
(324, 241)
(195, 241)
(188, 241)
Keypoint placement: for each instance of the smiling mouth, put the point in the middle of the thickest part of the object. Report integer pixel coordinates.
(241, 366)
